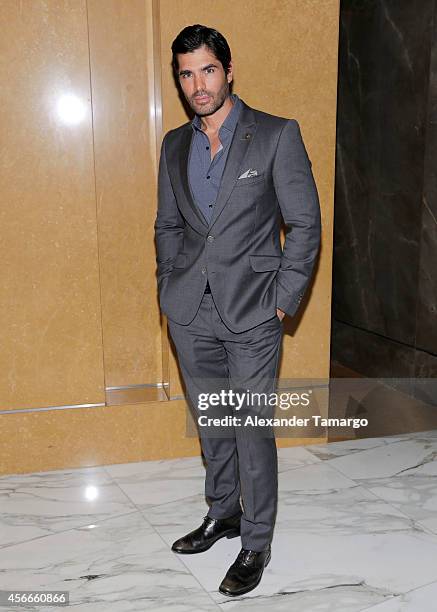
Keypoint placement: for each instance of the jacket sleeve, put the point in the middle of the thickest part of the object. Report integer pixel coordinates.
(299, 203)
(169, 224)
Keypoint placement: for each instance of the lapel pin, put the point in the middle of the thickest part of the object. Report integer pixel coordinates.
(247, 136)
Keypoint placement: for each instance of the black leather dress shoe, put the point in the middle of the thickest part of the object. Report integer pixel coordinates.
(245, 573)
(207, 534)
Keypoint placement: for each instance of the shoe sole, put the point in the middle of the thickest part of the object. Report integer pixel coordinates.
(226, 534)
(247, 590)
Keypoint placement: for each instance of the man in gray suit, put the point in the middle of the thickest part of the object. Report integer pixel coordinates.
(225, 180)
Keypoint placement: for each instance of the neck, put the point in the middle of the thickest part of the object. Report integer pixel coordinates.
(212, 123)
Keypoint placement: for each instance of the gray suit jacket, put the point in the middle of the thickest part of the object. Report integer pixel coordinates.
(239, 251)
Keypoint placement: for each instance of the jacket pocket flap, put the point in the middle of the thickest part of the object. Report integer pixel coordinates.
(180, 261)
(265, 263)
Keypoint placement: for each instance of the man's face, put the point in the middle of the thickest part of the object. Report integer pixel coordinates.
(203, 80)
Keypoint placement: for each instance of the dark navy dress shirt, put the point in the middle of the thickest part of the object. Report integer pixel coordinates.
(204, 174)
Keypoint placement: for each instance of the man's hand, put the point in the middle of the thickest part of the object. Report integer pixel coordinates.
(280, 313)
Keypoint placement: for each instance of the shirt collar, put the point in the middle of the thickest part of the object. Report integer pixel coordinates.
(231, 120)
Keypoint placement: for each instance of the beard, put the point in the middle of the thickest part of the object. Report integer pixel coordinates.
(216, 101)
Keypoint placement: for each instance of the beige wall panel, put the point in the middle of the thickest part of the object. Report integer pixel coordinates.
(93, 436)
(51, 349)
(122, 79)
(285, 57)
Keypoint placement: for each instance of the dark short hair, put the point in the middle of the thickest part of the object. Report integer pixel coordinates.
(195, 36)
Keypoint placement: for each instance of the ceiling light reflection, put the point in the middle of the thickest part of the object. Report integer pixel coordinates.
(71, 109)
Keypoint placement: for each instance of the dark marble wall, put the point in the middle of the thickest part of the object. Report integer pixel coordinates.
(385, 230)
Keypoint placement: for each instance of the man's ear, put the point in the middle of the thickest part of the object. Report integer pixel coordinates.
(230, 73)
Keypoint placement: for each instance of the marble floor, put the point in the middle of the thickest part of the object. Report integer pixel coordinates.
(356, 530)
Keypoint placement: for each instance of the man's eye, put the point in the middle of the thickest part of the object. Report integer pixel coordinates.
(209, 70)
(185, 75)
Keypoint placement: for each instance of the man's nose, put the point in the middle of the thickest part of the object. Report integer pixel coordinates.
(199, 82)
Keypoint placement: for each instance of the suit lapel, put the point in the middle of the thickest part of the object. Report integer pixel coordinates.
(243, 136)
(187, 138)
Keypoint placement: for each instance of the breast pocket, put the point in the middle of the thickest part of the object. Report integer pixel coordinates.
(248, 182)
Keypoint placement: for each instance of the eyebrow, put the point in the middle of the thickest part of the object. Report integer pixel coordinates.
(181, 72)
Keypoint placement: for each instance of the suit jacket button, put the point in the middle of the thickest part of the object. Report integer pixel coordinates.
(203, 270)
(210, 238)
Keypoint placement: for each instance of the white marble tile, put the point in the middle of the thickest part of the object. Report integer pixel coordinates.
(35, 505)
(309, 507)
(313, 479)
(295, 457)
(360, 568)
(333, 598)
(347, 447)
(336, 546)
(422, 599)
(388, 460)
(155, 482)
(175, 519)
(301, 492)
(353, 532)
(415, 495)
(119, 565)
(427, 434)
(344, 511)
(401, 474)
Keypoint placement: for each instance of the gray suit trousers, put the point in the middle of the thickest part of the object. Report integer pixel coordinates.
(241, 460)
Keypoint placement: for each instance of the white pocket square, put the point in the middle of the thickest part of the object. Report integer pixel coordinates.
(249, 173)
